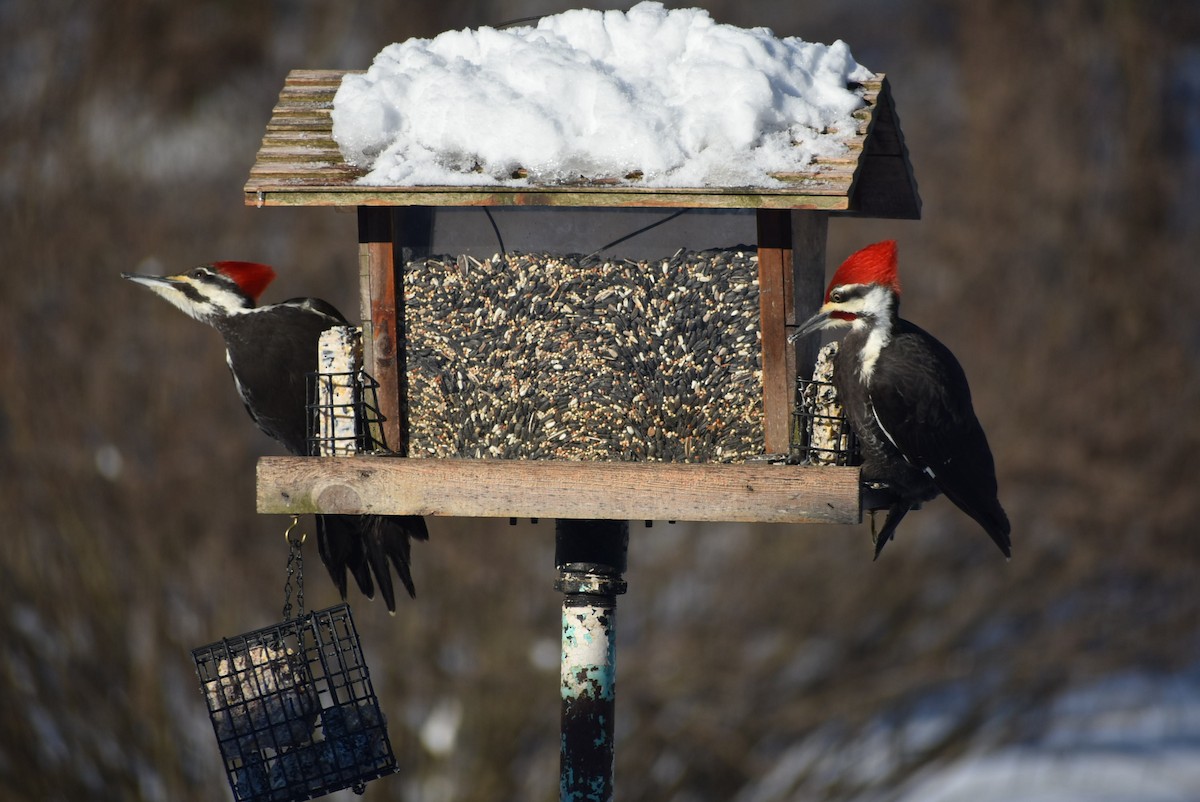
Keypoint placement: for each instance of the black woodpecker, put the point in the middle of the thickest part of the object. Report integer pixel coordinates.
(907, 399)
(270, 350)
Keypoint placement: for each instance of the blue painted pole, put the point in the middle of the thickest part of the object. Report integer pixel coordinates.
(591, 559)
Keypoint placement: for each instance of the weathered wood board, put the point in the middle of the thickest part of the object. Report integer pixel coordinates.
(559, 489)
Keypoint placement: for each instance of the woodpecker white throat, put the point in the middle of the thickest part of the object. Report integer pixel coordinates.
(270, 351)
(907, 398)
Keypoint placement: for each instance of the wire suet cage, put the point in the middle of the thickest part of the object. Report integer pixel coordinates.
(821, 435)
(343, 414)
(294, 710)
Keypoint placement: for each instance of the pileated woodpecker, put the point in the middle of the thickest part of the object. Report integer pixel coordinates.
(907, 399)
(270, 350)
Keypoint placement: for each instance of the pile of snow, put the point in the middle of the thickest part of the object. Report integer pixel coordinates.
(667, 95)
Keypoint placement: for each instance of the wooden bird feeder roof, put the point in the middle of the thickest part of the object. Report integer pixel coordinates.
(299, 164)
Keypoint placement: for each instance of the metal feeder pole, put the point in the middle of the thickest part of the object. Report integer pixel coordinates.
(591, 559)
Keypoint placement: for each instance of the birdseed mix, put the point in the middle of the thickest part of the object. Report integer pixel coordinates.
(543, 356)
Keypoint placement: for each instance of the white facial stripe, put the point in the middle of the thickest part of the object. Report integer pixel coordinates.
(194, 307)
(874, 301)
(202, 300)
(871, 310)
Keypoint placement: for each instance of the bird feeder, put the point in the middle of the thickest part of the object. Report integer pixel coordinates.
(599, 421)
(300, 165)
(294, 710)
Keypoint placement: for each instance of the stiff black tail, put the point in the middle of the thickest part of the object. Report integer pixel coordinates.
(988, 513)
(364, 545)
(895, 515)
(999, 529)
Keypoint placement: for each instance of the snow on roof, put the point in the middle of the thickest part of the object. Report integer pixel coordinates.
(666, 98)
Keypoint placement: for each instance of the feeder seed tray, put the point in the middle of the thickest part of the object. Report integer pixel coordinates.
(293, 709)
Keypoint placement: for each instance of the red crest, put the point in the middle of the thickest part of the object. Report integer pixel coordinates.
(252, 277)
(874, 264)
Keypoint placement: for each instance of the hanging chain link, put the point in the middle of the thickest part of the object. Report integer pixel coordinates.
(295, 569)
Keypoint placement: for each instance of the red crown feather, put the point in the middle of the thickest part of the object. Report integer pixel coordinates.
(874, 264)
(252, 277)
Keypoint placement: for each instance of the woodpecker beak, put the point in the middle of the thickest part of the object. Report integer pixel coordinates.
(153, 282)
(176, 289)
(814, 324)
(172, 288)
(179, 291)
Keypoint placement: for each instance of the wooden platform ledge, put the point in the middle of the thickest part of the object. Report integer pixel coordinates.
(477, 488)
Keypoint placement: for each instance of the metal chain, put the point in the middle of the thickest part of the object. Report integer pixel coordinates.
(295, 568)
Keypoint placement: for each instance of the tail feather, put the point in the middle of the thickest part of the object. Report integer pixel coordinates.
(988, 513)
(340, 542)
(334, 547)
(364, 545)
(999, 530)
(895, 515)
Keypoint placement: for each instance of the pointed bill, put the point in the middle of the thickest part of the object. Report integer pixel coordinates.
(184, 294)
(166, 286)
(814, 324)
(149, 281)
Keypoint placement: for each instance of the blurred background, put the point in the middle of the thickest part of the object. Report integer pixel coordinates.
(1057, 149)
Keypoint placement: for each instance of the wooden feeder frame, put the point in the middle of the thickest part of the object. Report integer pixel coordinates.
(299, 164)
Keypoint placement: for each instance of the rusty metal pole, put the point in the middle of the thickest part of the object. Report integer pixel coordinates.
(591, 560)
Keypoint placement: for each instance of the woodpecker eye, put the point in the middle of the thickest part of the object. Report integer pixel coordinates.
(837, 296)
(198, 272)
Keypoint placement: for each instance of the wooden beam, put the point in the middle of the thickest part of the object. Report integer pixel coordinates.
(773, 493)
(270, 189)
(377, 301)
(791, 277)
(774, 311)
(388, 239)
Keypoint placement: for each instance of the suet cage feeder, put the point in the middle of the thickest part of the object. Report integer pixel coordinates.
(821, 434)
(294, 710)
(343, 414)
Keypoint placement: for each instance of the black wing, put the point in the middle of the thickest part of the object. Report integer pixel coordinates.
(922, 401)
(275, 348)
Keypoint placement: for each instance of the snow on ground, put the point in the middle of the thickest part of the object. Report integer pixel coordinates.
(1131, 738)
(668, 94)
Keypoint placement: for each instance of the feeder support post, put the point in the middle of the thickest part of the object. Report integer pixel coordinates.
(791, 280)
(591, 560)
(387, 239)
(377, 283)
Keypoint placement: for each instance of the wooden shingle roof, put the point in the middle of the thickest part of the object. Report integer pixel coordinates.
(299, 164)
